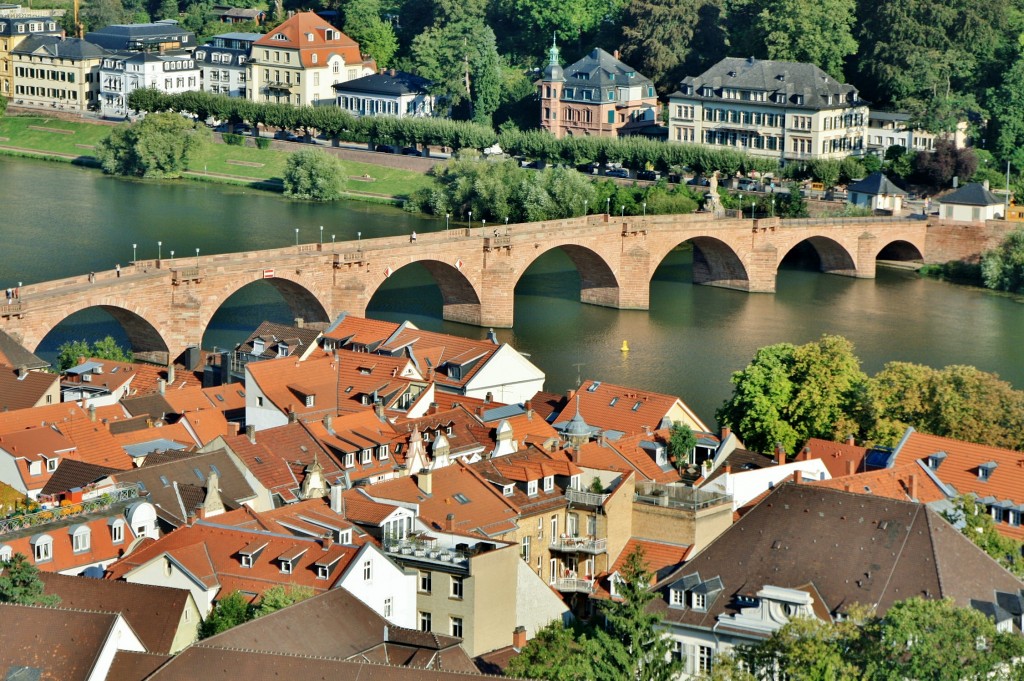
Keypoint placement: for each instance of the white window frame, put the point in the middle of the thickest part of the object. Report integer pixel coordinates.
(426, 582)
(456, 627)
(81, 540)
(286, 566)
(367, 570)
(389, 607)
(698, 601)
(43, 549)
(457, 587)
(426, 623)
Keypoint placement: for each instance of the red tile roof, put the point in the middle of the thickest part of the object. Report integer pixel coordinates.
(893, 483)
(211, 552)
(626, 453)
(64, 558)
(837, 456)
(25, 391)
(627, 410)
(308, 33)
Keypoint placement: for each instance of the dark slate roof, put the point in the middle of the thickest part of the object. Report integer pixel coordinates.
(602, 70)
(129, 666)
(71, 473)
(765, 75)
(876, 183)
(62, 48)
(134, 36)
(155, 406)
(394, 84)
(973, 194)
(23, 390)
(851, 548)
(235, 56)
(339, 626)
(154, 612)
(14, 354)
(273, 333)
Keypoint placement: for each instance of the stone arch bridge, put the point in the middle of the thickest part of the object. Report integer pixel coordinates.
(165, 305)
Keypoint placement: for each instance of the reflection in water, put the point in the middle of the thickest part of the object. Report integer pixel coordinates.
(688, 344)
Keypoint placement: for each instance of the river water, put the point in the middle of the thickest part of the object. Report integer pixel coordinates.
(58, 220)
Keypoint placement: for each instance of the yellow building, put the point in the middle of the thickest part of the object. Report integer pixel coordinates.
(17, 24)
(58, 72)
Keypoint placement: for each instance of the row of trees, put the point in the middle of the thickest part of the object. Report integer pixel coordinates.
(789, 393)
(235, 609)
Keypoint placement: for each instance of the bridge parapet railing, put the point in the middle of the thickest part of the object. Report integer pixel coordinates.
(841, 220)
(12, 309)
(181, 274)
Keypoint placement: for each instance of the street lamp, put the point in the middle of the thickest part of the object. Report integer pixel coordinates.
(752, 207)
(296, 236)
(359, 236)
(197, 257)
(159, 250)
(134, 247)
(172, 258)
(321, 235)
(506, 221)
(471, 219)
(585, 202)
(608, 205)
(447, 219)
(485, 226)
(741, 204)
(332, 239)
(645, 209)
(622, 211)
(773, 206)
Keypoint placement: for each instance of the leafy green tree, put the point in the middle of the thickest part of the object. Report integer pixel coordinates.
(809, 649)
(1002, 268)
(536, 21)
(277, 597)
(3, 105)
(379, 41)
(229, 611)
(314, 175)
(791, 205)
(629, 622)
(106, 348)
(761, 394)
(160, 145)
(167, 9)
(657, 37)
(1007, 107)
(816, 32)
(559, 653)
(680, 443)
(99, 13)
(871, 164)
(20, 583)
(826, 171)
(977, 525)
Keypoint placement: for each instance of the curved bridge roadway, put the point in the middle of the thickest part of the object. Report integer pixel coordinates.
(165, 305)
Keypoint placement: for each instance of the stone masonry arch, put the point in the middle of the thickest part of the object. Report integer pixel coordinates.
(459, 299)
(715, 263)
(834, 256)
(145, 339)
(599, 284)
(900, 249)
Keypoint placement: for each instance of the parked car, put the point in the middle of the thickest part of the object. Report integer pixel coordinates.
(384, 149)
(287, 136)
(617, 172)
(411, 151)
(648, 175)
(746, 184)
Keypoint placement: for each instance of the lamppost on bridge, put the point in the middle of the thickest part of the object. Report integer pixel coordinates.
(332, 239)
(608, 205)
(359, 236)
(296, 236)
(485, 226)
(741, 205)
(172, 258)
(622, 211)
(159, 250)
(447, 219)
(471, 219)
(506, 221)
(773, 206)
(197, 257)
(645, 209)
(321, 235)
(585, 202)
(134, 247)
(753, 205)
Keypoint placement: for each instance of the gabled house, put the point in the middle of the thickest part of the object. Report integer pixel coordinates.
(17, 24)
(299, 61)
(123, 72)
(813, 552)
(40, 646)
(596, 95)
(225, 62)
(29, 457)
(876, 192)
(388, 93)
(971, 203)
(58, 72)
(165, 620)
(97, 382)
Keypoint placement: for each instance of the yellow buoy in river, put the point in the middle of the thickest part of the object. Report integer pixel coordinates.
(625, 347)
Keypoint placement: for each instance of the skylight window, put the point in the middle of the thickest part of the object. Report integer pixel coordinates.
(199, 474)
(461, 498)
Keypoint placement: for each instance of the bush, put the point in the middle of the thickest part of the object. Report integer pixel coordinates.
(262, 142)
(234, 139)
(314, 175)
(160, 145)
(1003, 267)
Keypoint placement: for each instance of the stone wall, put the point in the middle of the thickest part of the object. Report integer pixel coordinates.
(950, 240)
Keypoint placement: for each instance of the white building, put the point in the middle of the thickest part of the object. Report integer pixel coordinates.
(123, 73)
(394, 93)
(893, 128)
(224, 62)
(788, 111)
(972, 203)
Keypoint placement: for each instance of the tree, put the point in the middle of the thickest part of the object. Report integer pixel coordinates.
(379, 41)
(20, 583)
(99, 13)
(1002, 268)
(761, 393)
(160, 145)
(3, 105)
(314, 175)
(681, 442)
(826, 171)
(277, 597)
(558, 653)
(629, 622)
(809, 649)
(1007, 107)
(657, 36)
(977, 525)
(940, 166)
(230, 611)
(536, 21)
(816, 32)
(68, 353)
(167, 9)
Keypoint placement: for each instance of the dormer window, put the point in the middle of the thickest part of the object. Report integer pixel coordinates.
(42, 547)
(35, 468)
(935, 460)
(248, 555)
(382, 452)
(985, 470)
(677, 598)
(257, 346)
(310, 400)
(51, 464)
(549, 483)
(506, 490)
(574, 482)
(117, 532)
(286, 566)
(366, 456)
(345, 537)
(531, 487)
(322, 572)
(350, 459)
(698, 601)
(283, 350)
(279, 36)
(81, 539)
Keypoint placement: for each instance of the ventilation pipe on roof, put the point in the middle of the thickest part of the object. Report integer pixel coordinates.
(170, 374)
(327, 541)
(161, 386)
(449, 523)
(250, 432)
(780, 453)
(337, 499)
(424, 480)
(92, 413)
(328, 420)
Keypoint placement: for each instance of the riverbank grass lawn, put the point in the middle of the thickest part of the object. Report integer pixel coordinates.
(68, 140)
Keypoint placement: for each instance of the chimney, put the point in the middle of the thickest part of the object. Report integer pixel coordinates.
(913, 486)
(425, 481)
(300, 323)
(378, 409)
(161, 386)
(488, 398)
(846, 487)
(569, 394)
(430, 374)
(728, 468)
(850, 440)
(81, 359)
(433, 408)
(232, 428)
(780, 453)
(615, 54)
(250, 432)
(170, 374)
(519, 637)
(338, 499)
(798, 477)
(327, 541)
(726, 432)
(92, 413)
(190, 519)
(851, 468)
(449, 523)
(985, 185)
(328, 420)
(392, 73)
(528, 406)
(200, 512)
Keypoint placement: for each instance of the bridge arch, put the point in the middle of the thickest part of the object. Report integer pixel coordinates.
(833, 256)
(900, 249)
(304, 298)
(144, 338)
(715, 263)
(598, 283)
(460, 300)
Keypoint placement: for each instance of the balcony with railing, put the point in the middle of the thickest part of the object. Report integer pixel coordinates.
(579, 585)
(569, 544)
(582, 498)
(428, 551)
(678, 496)
(117, 494)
